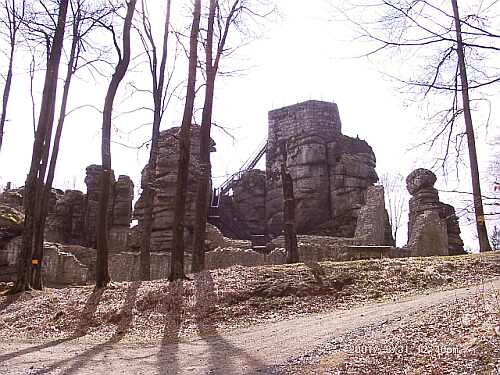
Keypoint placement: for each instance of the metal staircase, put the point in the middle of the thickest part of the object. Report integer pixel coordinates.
(225, 187)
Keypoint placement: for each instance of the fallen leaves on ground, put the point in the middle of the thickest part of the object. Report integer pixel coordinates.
(224, 299)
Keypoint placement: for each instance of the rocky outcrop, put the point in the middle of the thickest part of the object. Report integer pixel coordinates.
(330, 171)
(244, 212)
(67, 223)
(424, 201)
(122, 202)
(72, 215)
(164, 179)
(429, 235)
(372, 227)
(11, 223)
(455, 243)
(94, 189)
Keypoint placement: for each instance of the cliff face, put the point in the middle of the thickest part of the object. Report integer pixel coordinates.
(331, 171)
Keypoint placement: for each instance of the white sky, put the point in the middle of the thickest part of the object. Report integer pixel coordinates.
(302, 55)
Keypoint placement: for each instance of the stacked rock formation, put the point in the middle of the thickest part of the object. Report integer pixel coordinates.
(67, 223)
(425, 199)
(72, 215)
(245, 211)
(373, 227)
(94, 189)
(331, 172)
(122, 202)
(164, 181)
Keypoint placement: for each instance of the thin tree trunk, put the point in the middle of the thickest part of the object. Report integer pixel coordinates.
(482, 232)
(36, 278)
(177, 262)
(212, 66)
(289, 227)
(35, 175)
(201, 212)
(149, 192)
(102, 273)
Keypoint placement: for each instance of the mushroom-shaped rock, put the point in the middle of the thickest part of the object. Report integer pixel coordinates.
(420, 178)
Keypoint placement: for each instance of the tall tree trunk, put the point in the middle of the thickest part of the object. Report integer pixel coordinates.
(177, 262)
(36, 176)
(482, 232)
(212, 66)
(149, 192)
(102, 273)
(201, 213)
(289, 227)
(36, 275)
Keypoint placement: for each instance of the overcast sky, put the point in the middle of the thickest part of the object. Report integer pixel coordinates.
(304, 53)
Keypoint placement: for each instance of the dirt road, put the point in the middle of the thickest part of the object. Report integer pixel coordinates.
(244, 351)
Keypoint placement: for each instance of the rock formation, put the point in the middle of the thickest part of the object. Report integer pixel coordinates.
(425, 199)
(373, 227)
(94, 188)
(331, 171)
(164, 181)
(244, 212)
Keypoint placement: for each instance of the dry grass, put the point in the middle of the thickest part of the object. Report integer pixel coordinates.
(228, 298)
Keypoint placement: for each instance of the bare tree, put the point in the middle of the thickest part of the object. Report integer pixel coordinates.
(177, 260)
(12, 19)
(444, 41)
(102, 273)
(85, 18)
(396, 199)
(159, 100)
(36, 175)
(222, 17)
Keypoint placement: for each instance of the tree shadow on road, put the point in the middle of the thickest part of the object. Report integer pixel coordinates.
(86, 317)
(224, 355)
(125, 317)
(172, 310)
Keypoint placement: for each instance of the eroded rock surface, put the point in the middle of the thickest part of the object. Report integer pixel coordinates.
(424, 201)
(164, 179)
(330, 171)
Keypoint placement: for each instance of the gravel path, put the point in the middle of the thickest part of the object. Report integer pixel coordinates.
(257, 349)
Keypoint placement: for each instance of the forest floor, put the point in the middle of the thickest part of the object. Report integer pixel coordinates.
(376, 316)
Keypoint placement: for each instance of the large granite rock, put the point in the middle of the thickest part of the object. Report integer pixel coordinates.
(94, 189)
(429, 236)
(164, 179)
(330, 171)
(244, 213)
(372, 227)
(11, 223)
(67, 223)
(424, 201)
(122, 203)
